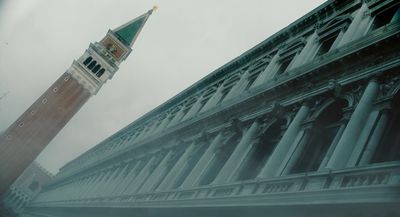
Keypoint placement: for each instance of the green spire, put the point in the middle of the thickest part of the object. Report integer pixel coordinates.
(128, 32)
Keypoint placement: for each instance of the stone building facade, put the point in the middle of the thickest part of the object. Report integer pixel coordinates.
(306, 123)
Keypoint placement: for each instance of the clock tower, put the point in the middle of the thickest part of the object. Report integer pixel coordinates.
(22, 142)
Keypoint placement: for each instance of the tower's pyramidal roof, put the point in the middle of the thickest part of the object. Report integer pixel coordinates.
(128, 32)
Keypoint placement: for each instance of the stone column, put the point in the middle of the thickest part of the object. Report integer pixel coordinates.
(91, 185)
(194, 109)
(308, 52)
(141, 177)
(127, 179)
(282, 148)
(331, 148)
(239, 86)
(179, 115)
(163, 124)
(214, 98)
(90, 190)
(177, 169)
(358, 27)
(157, 174)
(84, 187)
(353, 129)
(374, 139)
(115, 180)
(194, 176)
(269, 72)
(294, 153)
(101, 187)
(234, 162)
(363, 139)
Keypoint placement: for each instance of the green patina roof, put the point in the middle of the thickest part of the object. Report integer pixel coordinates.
(128, 32)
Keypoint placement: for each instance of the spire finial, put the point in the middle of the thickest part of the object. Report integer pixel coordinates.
(155, 7)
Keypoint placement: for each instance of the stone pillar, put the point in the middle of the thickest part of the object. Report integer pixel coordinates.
(142, 176)
(157, 174)
(374, 139)
(331, 148)
(214, 98)
(91, 184)
(128, 178)
(272, 166)
(179, 115)
(194, 109)
(177, 169)
(96, 182)
(239, 86)
(353, 129)
(194, 176)
(115, 180)
(234, 162)
(363, 139)
(308, 52)
(358, 27)
(163, 124)
(107, 183)
(269, 72)
(101, 187)
(294, 153)
(83, 186)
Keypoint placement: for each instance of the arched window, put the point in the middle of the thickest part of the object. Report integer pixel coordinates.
(92, 64)
(219, 159)
(100, 73)
(262, 150)
(389, 146)
(87, 61)
(319, 138)
(96, 68)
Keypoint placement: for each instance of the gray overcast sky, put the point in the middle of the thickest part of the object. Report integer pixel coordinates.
(183, 41)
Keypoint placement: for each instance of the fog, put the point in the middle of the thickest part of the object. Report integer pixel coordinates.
(182, 41)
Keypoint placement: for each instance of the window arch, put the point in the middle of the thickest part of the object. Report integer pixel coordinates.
(92, 64)
(87, 61)
(319, 138)
(262, 150)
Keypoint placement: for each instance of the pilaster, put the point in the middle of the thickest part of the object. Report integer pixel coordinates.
(277, 157)
(235, 160)
(353, 129)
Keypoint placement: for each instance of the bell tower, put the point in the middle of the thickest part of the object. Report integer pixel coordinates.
(22, 142)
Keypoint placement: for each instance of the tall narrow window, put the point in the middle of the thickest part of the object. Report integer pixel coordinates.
(202, 104)
(284, 64)
(87, 61)
(92, 64)
(224, 94)
(96, 68)
(385, 17)
(326, 43)
(250, 81)
(100, 73)
(389, 146)
(319, 138)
